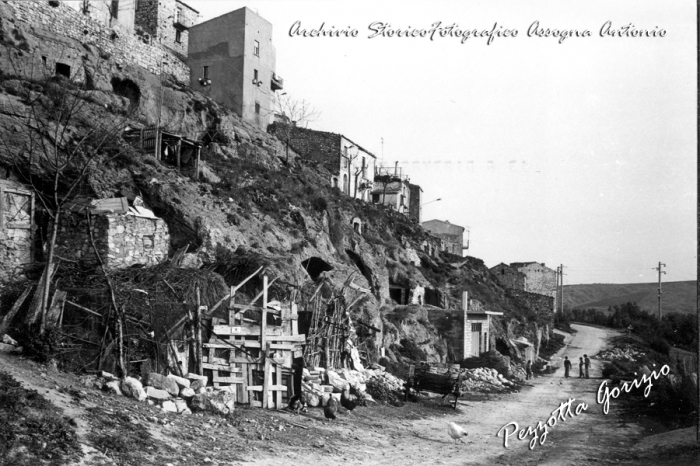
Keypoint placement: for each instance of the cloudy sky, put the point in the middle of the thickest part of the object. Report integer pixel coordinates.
(581, 151)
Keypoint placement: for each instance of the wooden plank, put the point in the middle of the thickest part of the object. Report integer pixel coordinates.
(228, 379)
(250, 344)
(295, 320)
(7, 320)
(259, 388)
(221, 367)
(244, 386)
(278, 393)
(244, 330)
(297, 338)
(56, 308)
(263, 324)
(267, 370)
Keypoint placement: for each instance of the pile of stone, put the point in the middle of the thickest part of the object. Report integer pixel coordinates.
(484, 378)
(172, 393)
(625, 353)
(320, 384)
(9, 345)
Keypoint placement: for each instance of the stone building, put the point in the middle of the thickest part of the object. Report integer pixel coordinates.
(392, 188)
(124, 235)
(509, 276)
(452, 236)
(467, 330)
(232, 60)
(531, 277)
(416, 196)
(351, 167)
(54, 55)
(165, 21)
(16, 229)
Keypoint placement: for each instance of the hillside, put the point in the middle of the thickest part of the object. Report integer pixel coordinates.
(249, 207)
(677, 296)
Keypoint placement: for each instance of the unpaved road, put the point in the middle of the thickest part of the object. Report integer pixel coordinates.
(379, 435)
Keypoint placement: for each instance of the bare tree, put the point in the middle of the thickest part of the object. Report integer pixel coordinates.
(294, 113)
(54, 138)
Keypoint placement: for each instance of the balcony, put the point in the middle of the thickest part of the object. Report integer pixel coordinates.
(276, 83)
(183, 22)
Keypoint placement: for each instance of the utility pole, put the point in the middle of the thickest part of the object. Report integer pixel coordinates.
(556, 299)
(561, 272)
(660, 272)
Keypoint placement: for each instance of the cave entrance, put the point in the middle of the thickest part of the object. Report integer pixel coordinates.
(433, 297)
(314, 266)
(129, 89)
(399, 294)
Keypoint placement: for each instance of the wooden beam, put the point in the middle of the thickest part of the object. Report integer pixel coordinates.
(240, 330)
(267, 370)
(227, 379)
(274, 388)
(221, 367)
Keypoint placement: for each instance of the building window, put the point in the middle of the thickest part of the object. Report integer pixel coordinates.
(178, 36)
(255, 77)
(375, 198)
(256, 48)
(205, 72)
(257, 108)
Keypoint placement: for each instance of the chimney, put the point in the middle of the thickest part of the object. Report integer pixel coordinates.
(396, 168)
(465, 301)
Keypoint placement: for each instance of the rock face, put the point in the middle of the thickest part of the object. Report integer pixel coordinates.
(162, 382)
(249, 202)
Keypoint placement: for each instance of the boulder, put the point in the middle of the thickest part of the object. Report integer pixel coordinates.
(187, 393)
(336, 381)
(312, 400)
(162, 382)
(5, 348)
(7, 339)
(182, 383)
(113, 387)
(323, 400)
(180, 404)
(197, 381)
(219, 402)
(169, 406)
(133, 388)
(157, 394)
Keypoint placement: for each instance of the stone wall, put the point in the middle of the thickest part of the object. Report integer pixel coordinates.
(543, 305)
(123, 47)
(538, 278)
(157, 17)
(122, 240)
(416, 200)
(509, 277)
(313, 146)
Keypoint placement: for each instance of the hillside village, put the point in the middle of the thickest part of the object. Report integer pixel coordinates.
(150, 187)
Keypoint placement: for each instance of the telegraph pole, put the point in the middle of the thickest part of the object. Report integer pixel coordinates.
(561, 272)
(660, 272)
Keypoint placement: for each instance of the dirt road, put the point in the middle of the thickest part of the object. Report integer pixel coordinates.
(378, 435)
(589, 436)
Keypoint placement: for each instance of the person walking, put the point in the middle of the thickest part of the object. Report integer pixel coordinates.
(586, 363)
(567, 366)
(580, 368)
(528, 370)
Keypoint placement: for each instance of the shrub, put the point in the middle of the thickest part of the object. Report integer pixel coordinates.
(319, 203)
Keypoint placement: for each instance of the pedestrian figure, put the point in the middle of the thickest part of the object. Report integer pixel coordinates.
(528, 370)
(567, 366)
(587, 363)
(580, 368)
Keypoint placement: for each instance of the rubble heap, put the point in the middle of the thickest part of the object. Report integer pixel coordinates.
(172, 393)
(625, 353)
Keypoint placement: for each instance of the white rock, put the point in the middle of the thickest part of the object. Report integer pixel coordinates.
(182, 383)
(113, 387)
(133, 388)
(169, 406)
(7, 339)
(187, 393)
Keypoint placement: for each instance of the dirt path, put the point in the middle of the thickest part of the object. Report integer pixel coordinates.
(377, 435)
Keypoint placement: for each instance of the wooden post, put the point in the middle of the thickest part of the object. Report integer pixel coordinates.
(196, 167)
(2, 207)
(198, 333)
(141, 140)
(177, 155)
(263, 322)
(278, 393)
(267, 375)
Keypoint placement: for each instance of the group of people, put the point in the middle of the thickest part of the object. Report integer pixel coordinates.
(583, 365)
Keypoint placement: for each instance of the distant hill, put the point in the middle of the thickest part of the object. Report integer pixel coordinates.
(677, 296)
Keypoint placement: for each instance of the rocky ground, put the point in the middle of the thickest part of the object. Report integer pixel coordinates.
(118, 430)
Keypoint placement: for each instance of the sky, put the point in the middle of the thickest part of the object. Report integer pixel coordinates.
(579, 151)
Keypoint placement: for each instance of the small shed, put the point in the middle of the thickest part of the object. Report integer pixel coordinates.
(477, 327)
